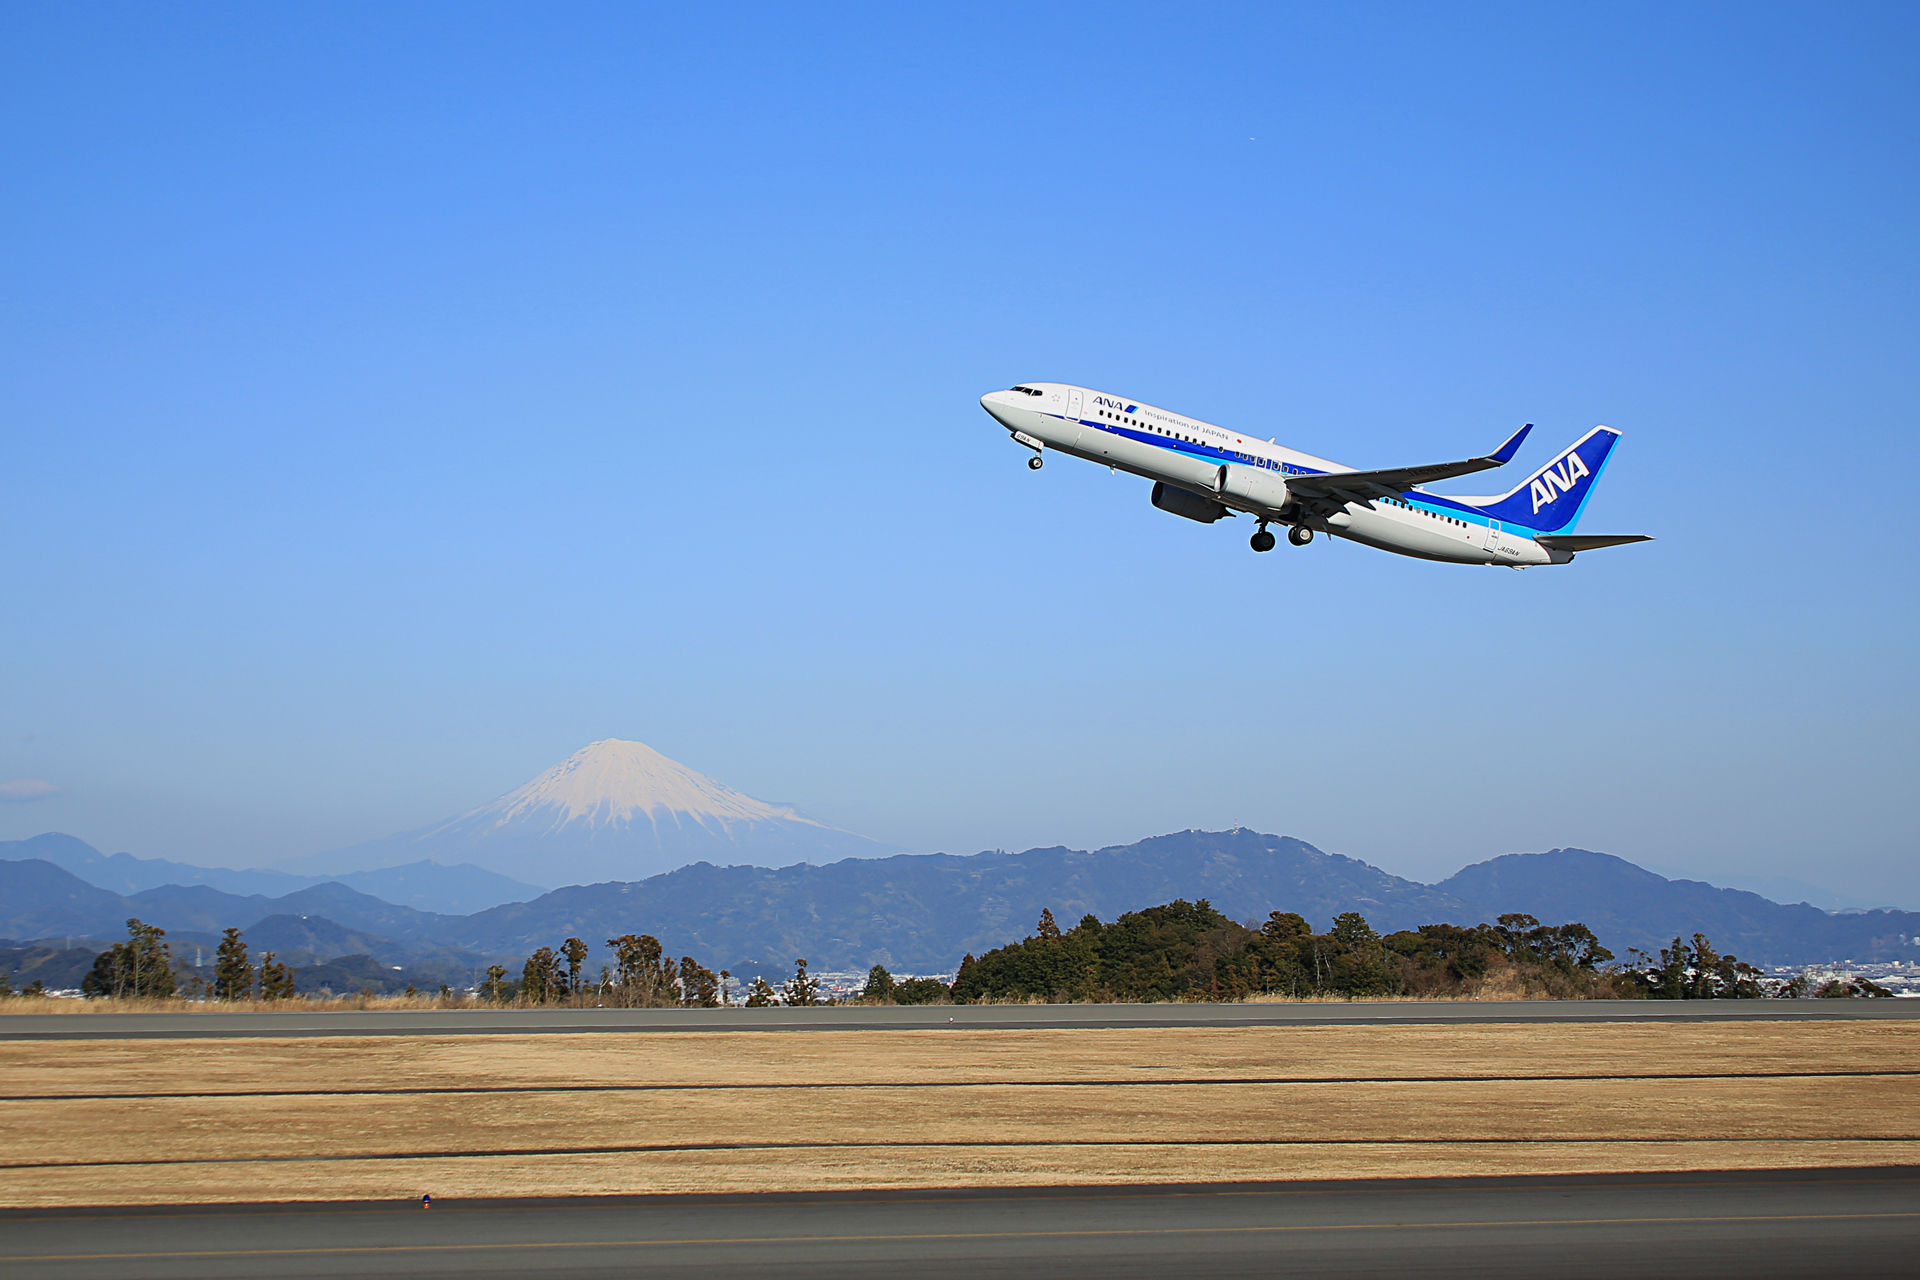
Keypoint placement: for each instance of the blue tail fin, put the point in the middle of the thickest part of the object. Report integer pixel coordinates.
(1550, 499)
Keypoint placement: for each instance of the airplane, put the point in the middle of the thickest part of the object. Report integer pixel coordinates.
(1205, 473)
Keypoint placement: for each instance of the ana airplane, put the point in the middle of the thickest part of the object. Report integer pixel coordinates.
(1204, 472)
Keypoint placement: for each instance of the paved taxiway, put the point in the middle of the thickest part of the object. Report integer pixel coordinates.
(1025, 1017)
(1853, 1222)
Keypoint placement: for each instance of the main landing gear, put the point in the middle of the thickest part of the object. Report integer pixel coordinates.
(1299, 535)
(1036, 462)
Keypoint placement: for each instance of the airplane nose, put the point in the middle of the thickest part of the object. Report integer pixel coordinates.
(995, 402)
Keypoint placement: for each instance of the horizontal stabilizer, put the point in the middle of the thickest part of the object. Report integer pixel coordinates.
(1588, 541)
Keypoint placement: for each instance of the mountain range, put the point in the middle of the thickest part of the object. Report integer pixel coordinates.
(427, 885)
(613, 810)
(921, 913)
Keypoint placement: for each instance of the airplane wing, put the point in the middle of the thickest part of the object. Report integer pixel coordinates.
(1588, 541)
(1363, 486)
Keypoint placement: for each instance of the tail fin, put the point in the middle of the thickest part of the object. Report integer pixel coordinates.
(1550, 499)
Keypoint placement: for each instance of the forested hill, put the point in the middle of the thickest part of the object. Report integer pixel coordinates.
(922, 913)
(1628, 906)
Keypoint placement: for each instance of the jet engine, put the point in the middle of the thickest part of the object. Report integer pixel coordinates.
(1254, 486)
(1183, 502)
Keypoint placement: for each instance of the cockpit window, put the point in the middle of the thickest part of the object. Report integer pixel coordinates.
(1028, 390)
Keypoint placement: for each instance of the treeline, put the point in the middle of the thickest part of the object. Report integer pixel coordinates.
(1699, 972)
(1189, 951)
(143, 966)
(1179, 951)
(643, 976)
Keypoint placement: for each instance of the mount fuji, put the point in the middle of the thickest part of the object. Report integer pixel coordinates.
(611, 811)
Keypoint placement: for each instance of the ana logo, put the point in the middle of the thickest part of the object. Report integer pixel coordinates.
(1553, 482)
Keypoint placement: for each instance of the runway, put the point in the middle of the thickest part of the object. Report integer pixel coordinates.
(1025, 1017)
(1855, 1222)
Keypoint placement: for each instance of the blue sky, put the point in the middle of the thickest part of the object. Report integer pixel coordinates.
(397, 398)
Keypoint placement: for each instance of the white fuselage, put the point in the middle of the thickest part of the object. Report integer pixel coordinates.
(1185, 452)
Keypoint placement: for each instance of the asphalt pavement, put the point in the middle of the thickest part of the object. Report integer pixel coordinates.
(415, 1022)
(1855, 1223)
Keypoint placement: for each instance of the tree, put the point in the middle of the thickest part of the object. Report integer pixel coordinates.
(1435, 957)
(699, 988)
(6, 984)
(1351, 928)
(1047, 928)
(276, 979)
(879, 986)
(495, 973)
(760, 995)
(1282, 926)
(1699, 972)
(1514, 929)
(140, 966)
(726, 996)
(540, 978)
(964, 986)
(1703, 964)
(232, 971)
(645, 977)
(803, 988)
(921, 991)
(576, 953)
(1161, 953)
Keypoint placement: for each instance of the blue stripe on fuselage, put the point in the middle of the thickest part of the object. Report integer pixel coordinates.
(1208, 451)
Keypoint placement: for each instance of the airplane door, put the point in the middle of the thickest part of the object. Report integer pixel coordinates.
(1493, 535)
(1071, 427)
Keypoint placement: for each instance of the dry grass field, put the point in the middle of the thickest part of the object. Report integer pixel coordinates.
(170, 1121)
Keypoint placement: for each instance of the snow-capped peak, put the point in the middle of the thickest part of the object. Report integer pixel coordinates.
(615, 783)
(612, 811)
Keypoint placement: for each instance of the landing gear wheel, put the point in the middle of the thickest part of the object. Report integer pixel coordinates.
(1036, 462)
(1299, 535)
(1261, 541)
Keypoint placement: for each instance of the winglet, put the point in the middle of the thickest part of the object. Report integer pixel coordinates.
(1504, 454)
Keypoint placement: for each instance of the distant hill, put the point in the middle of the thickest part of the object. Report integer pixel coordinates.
(308, 939)
(349, 973)
(921, 913)
(613, 810)
(55, 968)
(1629, 906)
(427, 886)
(41, 901)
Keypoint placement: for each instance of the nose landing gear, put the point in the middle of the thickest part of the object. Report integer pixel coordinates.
(1036, 462)
(1299, 535)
